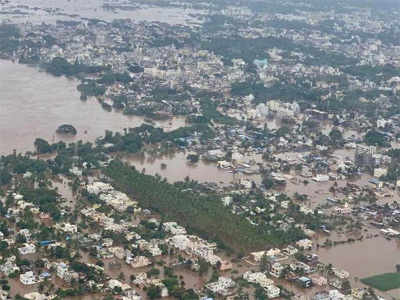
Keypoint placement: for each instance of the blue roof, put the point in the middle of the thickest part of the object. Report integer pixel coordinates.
(261, 63)
(374, 180)
(304, 279)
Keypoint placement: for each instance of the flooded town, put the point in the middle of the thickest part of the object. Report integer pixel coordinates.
(199, 150)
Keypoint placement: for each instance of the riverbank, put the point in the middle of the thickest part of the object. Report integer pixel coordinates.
(34, 104)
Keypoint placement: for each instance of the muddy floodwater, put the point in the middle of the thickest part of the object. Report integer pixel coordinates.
(372, 256)
(177, 168)
(33, 104)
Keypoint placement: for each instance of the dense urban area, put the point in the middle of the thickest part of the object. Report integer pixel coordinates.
(292, 110)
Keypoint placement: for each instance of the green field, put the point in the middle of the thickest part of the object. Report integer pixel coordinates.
(383, 282)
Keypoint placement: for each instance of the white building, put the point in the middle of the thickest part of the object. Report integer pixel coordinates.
(290, 250)
(342, 274)
(118, 252)
(118, 200)
(173, 228)
(273, 252)
(68, 228)
(65, 273)
(390, 232)
(272, 291)
(27, 249)
(193, 245)
(306, 244)
(257, 256)
(62, 269)
(378, 172)
(258, 278)
(26, 233)
(321, 178)
(180, 241)
(113, 283)
(140, 262)
(276, 270)
(222, 286)
(28, 278)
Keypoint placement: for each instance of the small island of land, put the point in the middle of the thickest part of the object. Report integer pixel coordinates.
(66, 129)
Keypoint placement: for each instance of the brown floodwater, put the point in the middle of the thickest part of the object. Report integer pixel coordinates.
(318, 192)
(33, 104)
(371, 256)
(66, 193)
(178, 168)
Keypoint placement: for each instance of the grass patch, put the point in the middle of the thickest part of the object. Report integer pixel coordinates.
(383, 282)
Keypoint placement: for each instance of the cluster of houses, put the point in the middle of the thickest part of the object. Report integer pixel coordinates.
(197, 248)
(305, 270)
(271, 290)
(118, 200)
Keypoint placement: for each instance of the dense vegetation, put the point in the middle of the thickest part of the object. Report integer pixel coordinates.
(91, 88)
(133, 139)
(201, 214)
(45, 199)
(376, 138)
(230, 48)
(8, 38)
(210, 113)
(60, 66)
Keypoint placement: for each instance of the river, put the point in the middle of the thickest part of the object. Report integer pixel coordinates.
(33, 104)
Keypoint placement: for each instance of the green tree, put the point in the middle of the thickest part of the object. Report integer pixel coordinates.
(204, 267)
(336, 137)
(5, 177)
(259, 294)
(42, 146)
(193, 158)
(264, 263)
(154, 292)
(375, 138)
